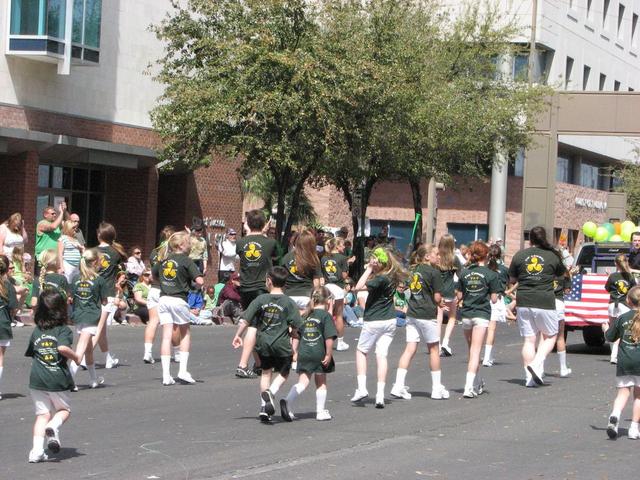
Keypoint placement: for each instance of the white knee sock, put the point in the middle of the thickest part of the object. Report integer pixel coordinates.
(166, 366)
(56, 422)
(38, 444)
(92, 372)
(73, 368)
(1, 369)
(362, 383)
(294, 393)
(175, 350)
(487, 353)
(147, 348)
(401, 375)
(321, 398)
(614, 350)
(562, 356)
(436, 379)
(616, 413)
(380, 390)
(469, 381)
(107, 356)
(184, 360)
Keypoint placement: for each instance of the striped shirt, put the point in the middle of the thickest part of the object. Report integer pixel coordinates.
(71, 253)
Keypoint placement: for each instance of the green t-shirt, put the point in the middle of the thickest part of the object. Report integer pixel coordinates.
(426, 281)
(255, 252)
(316, 328)
(477, 283)
(87, 300)
(618, 286)
(142, 288)
(272, 314)
(449, 279)
(561, 284)
(49, 370)
(379, 304)
(399, 300)
(333, 266)
(503, 277)
(109, 265)
(46, 240)
(535, 269)
(52, 281)
(175, 274)
(628, 350)
(299, 284)
(6, 305)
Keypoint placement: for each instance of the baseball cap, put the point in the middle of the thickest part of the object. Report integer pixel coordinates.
(231, 231)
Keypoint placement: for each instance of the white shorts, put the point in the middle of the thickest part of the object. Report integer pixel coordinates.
(301, 302)
(173, 310)
(379, 333)
(153, 298)
(336, 291)
(362, 294)
(628, 381)
(49, 402)
(469, 323)
(84, 328)
(560, 310)
(615, 312)
(499, 311)
(70, 271)
(5, 343)
(111, 308)
(533, 320)
(418, 328)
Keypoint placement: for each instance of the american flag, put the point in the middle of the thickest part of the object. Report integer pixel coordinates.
(588, 301)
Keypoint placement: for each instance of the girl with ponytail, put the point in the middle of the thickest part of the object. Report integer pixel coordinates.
(618, 285)
(335, 269)
(49, 278)
(626, 329)
(8, 302)
(314, 354)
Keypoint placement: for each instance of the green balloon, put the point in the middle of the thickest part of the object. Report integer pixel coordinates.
(589, 229)
(627, 225)
(610, 228)
(615, 238)
(602, 234)
(626, 235)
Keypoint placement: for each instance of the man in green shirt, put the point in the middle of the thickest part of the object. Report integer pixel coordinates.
(48, 231)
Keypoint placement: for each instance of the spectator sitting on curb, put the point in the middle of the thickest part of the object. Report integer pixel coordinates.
(199, 314)
(229, 299)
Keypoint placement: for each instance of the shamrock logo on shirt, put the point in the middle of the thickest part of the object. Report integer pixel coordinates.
(252, 252)
(330, 266)
(104, 262)
(169, 271)
(535, 265)
(622, 287)
(415, 285)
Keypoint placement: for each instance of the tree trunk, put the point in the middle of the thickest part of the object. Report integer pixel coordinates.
(295, 205)
(416, 192)
(281, 182)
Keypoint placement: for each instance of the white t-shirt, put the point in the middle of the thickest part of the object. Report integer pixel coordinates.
(11, 241)
(228, 256)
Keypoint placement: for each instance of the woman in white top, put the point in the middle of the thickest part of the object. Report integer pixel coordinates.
(12, 234)
(228, 255)
(135, 264)
(69, 252)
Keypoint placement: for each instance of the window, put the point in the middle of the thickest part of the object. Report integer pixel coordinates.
(563, 170)
(520, 67)
(586, 71)
(616, 85)
(603, 81)
(620, 20)
(465, 233)
(605, 12)
(634, 25)
(86, 29)
(589, 176)
(38, 17)
(568, 73)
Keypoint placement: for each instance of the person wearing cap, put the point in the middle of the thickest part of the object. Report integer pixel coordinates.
(228, 256)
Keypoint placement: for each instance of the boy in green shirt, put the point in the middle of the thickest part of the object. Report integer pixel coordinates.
(270, 316)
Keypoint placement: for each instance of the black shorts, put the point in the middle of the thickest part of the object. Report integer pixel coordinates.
(282, 365)
(246, 297)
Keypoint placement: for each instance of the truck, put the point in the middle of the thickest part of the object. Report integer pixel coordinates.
(586, 305)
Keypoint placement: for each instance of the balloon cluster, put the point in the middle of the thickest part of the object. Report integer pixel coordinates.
(610, 232)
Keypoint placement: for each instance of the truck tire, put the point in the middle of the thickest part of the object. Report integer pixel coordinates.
(593, 336)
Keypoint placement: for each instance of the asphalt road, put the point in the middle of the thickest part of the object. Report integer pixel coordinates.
(134, 428)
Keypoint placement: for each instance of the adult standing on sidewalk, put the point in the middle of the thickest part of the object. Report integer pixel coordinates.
(48, 231)
(228, 256)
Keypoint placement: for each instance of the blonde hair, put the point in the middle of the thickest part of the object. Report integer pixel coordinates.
(633, 297)
(331, 246)
(419, 256)
(180, 241)
(446, 248)
(49, 261)
(68, 228)
(89, 259)
(17, 257)
(14, 222)
(393, 268)
(319, 296)
(622, 264)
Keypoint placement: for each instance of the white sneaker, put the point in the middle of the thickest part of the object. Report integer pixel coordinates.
(469, 393)
(36, 457)
(536, 374)
(612, 428)
(342, 346)
(112, 362)
(359, 395)
(487, 363)
(19, 324)
(379, 401)
(323, 415)
(479, 386)
(529, 383)
(168, 381)
(613, 360)
(565, 372)
(634, 434)
(445, 351)
(440, 393)
(148, 358)
(99, 381)
(186, 378)
(400, 392)
(52, 439)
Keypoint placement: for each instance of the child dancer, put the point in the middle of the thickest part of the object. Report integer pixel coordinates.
(335, 269)
(422, 321)
(498, 309)
(176, 273)
(626, 329)
(477, 289)
(8, 302)
(270, 315)
(449, 267)
(380, 278)
(49, 278)
(618, 284)
(89, 294)
(561, 287)
(50, 347)
(317, 335)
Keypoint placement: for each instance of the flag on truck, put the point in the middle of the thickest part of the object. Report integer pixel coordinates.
(588, 301)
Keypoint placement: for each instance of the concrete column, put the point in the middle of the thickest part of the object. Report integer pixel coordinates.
(498, 205)
(429, 221)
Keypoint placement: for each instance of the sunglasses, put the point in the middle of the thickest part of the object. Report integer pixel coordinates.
(137, 253)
